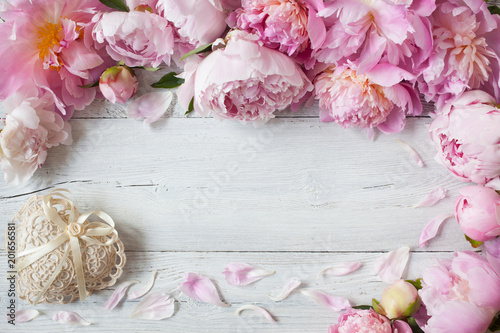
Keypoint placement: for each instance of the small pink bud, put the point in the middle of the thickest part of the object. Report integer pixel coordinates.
(118, 84)
(399, 300)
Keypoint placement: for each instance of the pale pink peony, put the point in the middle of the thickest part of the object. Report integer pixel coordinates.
(466, 136)
(466, 51)
(367, 321)
(460, 295)
(138, 38)
(118, 84)
(197, 22)
(290, 26)
(477, 210)
(31, 127)
(375, 99)
(42, 44)
(245, 81)
(367, 32)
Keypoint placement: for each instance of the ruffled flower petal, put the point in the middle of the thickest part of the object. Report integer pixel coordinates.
(289, 287)
(150, 106)
(68, 317)
(261, 311)
(25, 315)
(117, 295)
(201, 289)
(242, 274)
(432, 198)
(342, 269)
(432, 228)
(144, 290)
(334, 303)
(390, 266)
(155, 306)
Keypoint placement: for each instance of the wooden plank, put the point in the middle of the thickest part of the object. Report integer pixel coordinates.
(294, 185)
(295, 314)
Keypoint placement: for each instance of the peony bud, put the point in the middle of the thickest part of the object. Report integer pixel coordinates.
(399, 300)
(477, 210)
(118, 84)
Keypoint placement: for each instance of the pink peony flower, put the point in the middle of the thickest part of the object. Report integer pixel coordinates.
(244, 81)
(368, 32)
(466, 51)
(290, 26)
(375, 99)
(138, 38)
(460, 295)
(118, 84)
(477, 210)
(31, 127)
(197, 22)
(465, 133)
(42, 45)
(361, 321)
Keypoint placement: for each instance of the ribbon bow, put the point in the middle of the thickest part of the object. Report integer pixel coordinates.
(74, 230)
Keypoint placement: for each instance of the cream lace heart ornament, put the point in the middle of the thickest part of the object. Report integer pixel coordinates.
(60, 254)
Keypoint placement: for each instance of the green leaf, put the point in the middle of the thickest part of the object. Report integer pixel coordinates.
(475, 244)
(494, 10)
(201, 49)
(92, 85)
(115, 4)
(414, 326)
(377, 307)
(190, 107)
(168, 81)
(362, 307)
(495, 324)
(416, 283)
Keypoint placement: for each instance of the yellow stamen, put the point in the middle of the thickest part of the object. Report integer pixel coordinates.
(48, 38)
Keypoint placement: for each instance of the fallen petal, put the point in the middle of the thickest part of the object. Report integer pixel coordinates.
(155, 306)
(118, 294)
(150, 106)
(25, 315)
(413, 153)
(334, 303)
(201, 289)
(432, 228)
(390, 266)
(144, 290)
(263, 312)
(241, 274)
(342, 269)
(432, 198)
(287, 290)
(68, 317)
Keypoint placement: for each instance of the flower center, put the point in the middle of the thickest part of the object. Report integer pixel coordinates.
(48, 38)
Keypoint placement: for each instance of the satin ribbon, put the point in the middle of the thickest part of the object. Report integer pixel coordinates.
(74, 231)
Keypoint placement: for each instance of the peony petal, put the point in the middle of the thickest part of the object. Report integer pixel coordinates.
(155, 306)
(342, 269)
(432, 198)
(390, 266)
(144, 290)
(118, 294)
(241, 274)
(400, 326)
(263, 312)
(150, 106)
(201, 289)
(68, 317)
(334, 303)
(25, 315)
(413, 153)
(432, 228)
(287, 290)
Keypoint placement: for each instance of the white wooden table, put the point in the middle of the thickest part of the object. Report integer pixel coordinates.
(193, 194)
